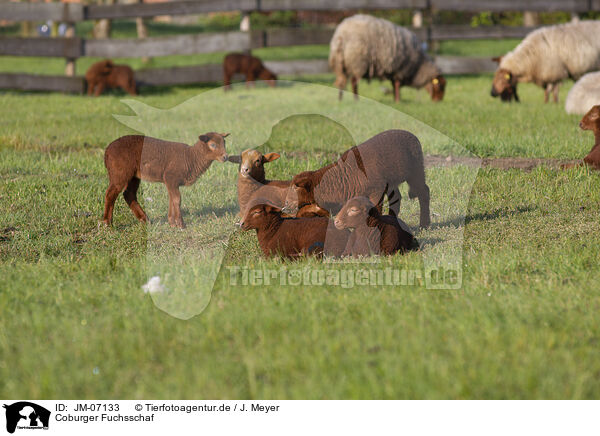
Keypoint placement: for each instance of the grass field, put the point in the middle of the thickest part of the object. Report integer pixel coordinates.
(75, 323)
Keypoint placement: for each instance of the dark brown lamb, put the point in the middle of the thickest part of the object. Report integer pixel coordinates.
(591, 121)
(293, 237)
(373, 169)
(252, 183)
(134, 157)
(373, 233)
(250, 66)
(105, 75)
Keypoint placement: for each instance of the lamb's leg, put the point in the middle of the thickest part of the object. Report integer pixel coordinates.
(130, 195)
(90, 88)
(175, 218)
(112, 193)
(99, 88)
(394, 199)
(227, 81)
(396, 91)
(425, 218)
(547, 90)
(354, 81)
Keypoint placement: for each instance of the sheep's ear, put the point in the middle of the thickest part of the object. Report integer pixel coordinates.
(270, 157)
(236, 158)
(224, 135)
(204, 138)
(497, 59)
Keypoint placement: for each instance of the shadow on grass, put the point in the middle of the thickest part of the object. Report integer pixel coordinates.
(483, 216)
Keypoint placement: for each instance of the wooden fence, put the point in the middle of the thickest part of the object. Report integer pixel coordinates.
(72, 48)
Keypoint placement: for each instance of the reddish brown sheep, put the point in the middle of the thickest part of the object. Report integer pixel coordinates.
(134, 157)
(104, 75)
(373, 233)
(250, 66)
(252, 183)
(591, 121)
(293, 237)
(373, 169)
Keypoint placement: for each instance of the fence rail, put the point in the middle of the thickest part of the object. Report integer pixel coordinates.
(73, 12)
(72, 47)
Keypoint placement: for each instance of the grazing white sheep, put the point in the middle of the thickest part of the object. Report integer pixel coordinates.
(369, 47)
(584, 94)
(547, 56)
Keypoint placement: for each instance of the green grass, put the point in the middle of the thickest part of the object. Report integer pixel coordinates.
(75, 323)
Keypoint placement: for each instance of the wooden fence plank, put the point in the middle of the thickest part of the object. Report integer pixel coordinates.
(180, 75)
(50, 47)
(94, 12)
(465, 65)
(164, 46)
(65, 12)
(36, 82)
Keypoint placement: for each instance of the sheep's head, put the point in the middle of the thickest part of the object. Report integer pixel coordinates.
(591, 120)
(268, 75)
(504, 85)
(436, 88)
(214, 144)
(355, 213)
(300, 193)
(259, 215)
(252, 163)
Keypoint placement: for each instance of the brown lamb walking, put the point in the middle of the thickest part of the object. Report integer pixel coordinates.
(373, 169)
(250, 66)
(132, 158)
(373, 233)
(590, 121)
(105, 74)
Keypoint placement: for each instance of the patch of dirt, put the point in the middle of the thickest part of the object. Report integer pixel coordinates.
(504, 163)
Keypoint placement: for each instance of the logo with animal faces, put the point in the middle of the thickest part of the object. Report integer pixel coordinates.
(283, 132)
(25, 415)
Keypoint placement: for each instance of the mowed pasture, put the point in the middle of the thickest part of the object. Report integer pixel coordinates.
(75, 323)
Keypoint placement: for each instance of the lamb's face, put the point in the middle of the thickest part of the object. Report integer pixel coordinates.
(258, 216)
(591, 120)
(354, 213)
(300, 193)
(269, 76)
(216, 145)
(252, 163)
(504, 85)
(436, 88)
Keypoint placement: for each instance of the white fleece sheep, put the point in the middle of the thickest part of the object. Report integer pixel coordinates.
(584, 94)
(365, 46)
(551, 54)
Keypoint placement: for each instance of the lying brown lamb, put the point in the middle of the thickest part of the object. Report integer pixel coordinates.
(373, 233)
(591, 121)
(134, 157)
(372, 169)
(250, 66)
(252, 183)
(105, 74)
(293, 237)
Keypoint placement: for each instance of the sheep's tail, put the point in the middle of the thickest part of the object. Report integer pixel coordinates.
(336, 61)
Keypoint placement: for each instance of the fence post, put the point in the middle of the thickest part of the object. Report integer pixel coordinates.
(531, 19)
(70, 65)
(245, 26)
(417, 19)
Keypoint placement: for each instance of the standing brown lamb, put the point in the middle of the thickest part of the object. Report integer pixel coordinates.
(373, 233)
(134, 157)
(105, 74)
(252, 183)
(591, 121)
(373, 169)
(293, 237)
(250, 66)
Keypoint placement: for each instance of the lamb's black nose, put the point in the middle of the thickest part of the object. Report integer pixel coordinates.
(493, 92)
